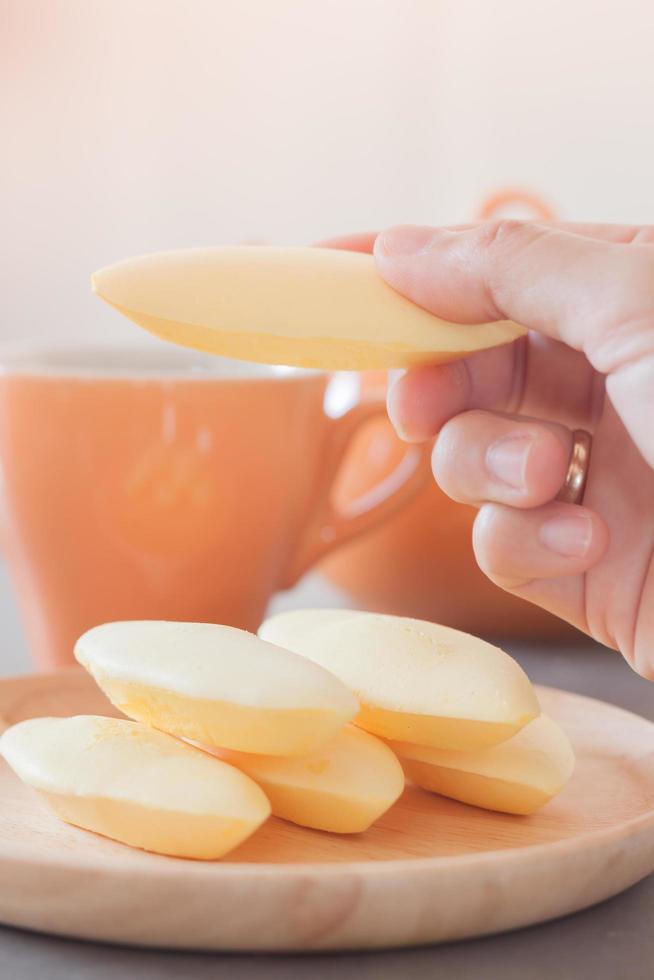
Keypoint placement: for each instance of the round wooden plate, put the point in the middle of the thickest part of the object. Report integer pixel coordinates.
(431, 870)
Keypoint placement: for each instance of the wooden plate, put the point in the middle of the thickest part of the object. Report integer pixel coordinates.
(430, 870)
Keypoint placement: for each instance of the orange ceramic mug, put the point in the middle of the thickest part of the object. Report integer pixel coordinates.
(162, 484)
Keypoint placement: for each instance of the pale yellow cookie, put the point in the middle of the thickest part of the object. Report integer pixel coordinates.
(141, 787)
(518, 776)
(343, 787)
(217, 685)
(415, 681)
(311, 307)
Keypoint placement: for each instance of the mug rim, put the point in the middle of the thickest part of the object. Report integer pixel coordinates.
(119, 362)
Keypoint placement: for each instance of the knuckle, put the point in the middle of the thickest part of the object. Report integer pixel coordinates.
(482, 541)
(443, 463)
(643, 235)
(503, 231)
(641, 664)
(625, 330)
(483, 533)
(487, 532)
(501, 240)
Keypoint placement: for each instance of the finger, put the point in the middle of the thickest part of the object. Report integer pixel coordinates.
(481, 457)
(364, 241)
(519, 548)
(534, 376)
(619, 234)
(421, 401)
(590, 294)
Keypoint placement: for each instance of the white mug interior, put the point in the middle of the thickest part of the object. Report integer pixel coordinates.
(134, 362)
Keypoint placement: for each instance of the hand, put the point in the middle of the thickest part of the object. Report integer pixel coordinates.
(504, 417)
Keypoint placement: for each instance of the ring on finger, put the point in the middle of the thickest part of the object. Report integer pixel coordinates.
(574, 485)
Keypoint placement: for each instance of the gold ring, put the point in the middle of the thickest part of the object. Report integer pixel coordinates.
(572, 491)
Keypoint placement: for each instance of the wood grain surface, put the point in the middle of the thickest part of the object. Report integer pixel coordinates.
(431, 870)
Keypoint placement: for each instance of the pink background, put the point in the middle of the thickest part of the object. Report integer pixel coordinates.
(136, 125)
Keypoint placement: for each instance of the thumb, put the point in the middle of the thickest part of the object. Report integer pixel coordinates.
(596, 296)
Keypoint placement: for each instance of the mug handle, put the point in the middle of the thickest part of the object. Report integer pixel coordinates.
(328, 527)
(513, 195)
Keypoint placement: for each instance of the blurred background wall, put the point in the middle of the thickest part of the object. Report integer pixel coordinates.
(135, 125)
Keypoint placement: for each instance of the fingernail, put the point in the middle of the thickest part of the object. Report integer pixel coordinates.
(506, 460)
(568, 536)
(404, 240)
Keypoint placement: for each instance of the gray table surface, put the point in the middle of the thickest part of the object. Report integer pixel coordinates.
(613, 941)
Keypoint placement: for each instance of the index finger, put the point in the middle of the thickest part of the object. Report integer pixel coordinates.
(566, 285)
(364, 241)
